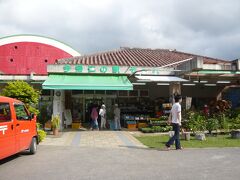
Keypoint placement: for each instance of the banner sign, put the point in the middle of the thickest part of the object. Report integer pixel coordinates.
(88, 69)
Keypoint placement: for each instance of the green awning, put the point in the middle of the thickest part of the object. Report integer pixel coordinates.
(87, 82)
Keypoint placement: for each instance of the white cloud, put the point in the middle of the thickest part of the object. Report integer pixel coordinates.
(203, 27)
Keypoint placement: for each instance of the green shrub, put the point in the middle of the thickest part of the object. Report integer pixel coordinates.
(24, 92)
(147, 130)
(212, 124)
(224, 122)
(163, 118)
(156, 129)
(195, 122)
(168, 128)
(41, 135)
(235, 123)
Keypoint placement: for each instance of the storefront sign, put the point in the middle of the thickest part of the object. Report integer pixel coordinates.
(96, 69)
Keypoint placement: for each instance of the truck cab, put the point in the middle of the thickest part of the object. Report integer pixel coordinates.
(18, 130)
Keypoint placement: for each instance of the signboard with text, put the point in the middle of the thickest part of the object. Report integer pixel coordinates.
(92, 69)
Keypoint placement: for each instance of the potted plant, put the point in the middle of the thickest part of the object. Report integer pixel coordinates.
(235, 127)
(55, 122)
(197, 124)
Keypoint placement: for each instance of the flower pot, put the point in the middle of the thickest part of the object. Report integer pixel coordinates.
(235, 134)
(55, 132)
(200, 136)
(186, 136)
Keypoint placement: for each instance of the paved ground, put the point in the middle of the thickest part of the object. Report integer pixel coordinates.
(106, 139)
(68, 158)
(77, 163)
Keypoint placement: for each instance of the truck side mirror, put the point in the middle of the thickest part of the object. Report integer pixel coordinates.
(32, 116)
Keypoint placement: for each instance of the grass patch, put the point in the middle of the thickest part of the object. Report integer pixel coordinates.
(212, 141)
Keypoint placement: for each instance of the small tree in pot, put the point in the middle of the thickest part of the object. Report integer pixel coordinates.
(55, 121)
(197, 124)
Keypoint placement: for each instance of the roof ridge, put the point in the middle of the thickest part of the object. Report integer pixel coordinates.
(200, 56)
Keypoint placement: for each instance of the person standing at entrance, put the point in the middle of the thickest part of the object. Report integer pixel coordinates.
(102, 114)
(94, 116)
(117, 117)
(175, 120)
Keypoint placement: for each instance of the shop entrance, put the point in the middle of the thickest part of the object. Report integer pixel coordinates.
(82, 104)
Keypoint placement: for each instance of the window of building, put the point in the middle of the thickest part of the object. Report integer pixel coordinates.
(144, 93)
(45, 92)
(88, 91)
(111, 92)
(133, 93)
(123, 93)
(74, 92)
(99, 92)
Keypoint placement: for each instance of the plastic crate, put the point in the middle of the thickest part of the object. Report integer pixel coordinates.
(76, 125)
(132, 126)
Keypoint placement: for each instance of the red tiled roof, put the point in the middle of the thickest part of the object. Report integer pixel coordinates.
(136, 57)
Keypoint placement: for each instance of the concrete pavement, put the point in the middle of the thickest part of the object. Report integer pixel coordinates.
(80, 163)
(117, 155)
(106, 139)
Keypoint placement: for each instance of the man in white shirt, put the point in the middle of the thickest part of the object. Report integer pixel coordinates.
(102, 113)
(175, 118)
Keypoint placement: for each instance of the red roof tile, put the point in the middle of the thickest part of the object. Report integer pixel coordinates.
(136, 57)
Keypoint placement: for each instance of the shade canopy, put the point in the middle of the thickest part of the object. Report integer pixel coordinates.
(87, 82)
(160, 79)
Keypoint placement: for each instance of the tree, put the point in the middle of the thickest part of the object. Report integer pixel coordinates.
(24, 92)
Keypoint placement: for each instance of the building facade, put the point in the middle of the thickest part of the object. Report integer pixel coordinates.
(141, 81)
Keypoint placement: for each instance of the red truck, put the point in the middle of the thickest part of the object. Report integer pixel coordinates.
(18, 130)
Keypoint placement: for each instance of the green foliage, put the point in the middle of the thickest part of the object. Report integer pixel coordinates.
(235, 123)
(163, 118)
(147, 130)
(23, 92)
(224, 121)
(212, 124)
(195, 122)
(42, 135)
(55, 121)
(39, 126)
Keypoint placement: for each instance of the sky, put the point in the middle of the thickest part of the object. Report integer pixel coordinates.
(204, 27)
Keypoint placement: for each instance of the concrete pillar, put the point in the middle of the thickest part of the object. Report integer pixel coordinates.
(59, 105)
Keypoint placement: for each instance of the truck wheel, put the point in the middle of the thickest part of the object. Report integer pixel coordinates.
(33, 146)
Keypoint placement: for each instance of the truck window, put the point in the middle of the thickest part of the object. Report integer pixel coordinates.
(5, 113)
(21, 112)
